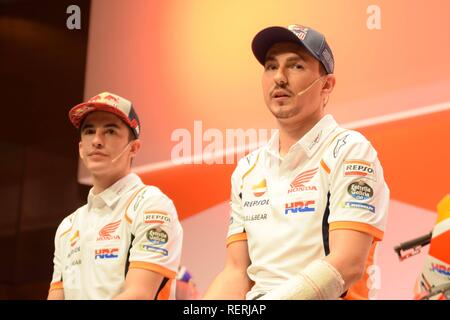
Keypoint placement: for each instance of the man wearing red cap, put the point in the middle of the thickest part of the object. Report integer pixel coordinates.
(308, 208)
(125, 243)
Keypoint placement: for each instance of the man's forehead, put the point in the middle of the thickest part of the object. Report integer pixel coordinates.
(288, 47)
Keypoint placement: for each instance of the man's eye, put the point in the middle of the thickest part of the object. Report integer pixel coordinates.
(110, 131)
(297, 66)
(270, 67)
(88, 131)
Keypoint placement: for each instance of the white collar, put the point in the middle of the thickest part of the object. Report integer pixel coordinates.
(111, 195)
(310, 142)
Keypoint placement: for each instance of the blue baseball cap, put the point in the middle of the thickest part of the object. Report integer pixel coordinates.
(309, 38)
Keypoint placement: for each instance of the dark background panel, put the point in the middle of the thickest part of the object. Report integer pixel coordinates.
(42, 66)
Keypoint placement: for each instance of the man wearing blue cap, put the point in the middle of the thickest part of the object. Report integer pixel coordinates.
(308, 208)
(126, 242)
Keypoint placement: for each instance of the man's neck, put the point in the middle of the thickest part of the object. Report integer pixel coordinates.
(103, 182)
(291, 133)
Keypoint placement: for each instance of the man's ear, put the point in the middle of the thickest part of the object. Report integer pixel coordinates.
(80, 151)
(328, 86)
(135, 147)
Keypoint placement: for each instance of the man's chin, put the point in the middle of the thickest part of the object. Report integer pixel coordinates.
(98, 168)
(282, 113)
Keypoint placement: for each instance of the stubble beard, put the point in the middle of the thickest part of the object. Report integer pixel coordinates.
(284, 111)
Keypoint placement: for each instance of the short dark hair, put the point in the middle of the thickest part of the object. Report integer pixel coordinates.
(322, 70)
(131, 135)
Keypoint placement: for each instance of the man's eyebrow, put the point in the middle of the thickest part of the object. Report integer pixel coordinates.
(290, 59)
(270, 58)
(111, 125)
(108, 125)
(87, 126)
(296, 58)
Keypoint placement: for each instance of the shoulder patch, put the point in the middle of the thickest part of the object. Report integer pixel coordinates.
(250, 169)
(134, 202)
(339, 144)
(66, 224)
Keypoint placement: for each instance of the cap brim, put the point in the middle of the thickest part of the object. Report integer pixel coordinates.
(266, 38)
(80, 111)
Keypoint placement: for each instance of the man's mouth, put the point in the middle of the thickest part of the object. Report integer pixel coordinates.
(280, 94)
(96, 153)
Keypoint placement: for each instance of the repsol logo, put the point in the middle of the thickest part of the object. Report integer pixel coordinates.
(359, 168)
(249, 204)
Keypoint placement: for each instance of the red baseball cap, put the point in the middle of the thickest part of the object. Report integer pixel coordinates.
(108, 102)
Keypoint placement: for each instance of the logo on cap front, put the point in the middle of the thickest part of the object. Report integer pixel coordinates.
(112, 98)
(298, 30)
(107, 98)
(81, 111)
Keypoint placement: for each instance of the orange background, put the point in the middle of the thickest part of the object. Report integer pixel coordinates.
(182, 61)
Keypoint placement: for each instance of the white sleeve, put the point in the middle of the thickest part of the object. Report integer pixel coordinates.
(359, 194)
(158, 235)
(57, 280)
(236, 228)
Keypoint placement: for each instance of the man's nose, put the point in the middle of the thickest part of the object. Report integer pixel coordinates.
(280, 77)
(98, 139)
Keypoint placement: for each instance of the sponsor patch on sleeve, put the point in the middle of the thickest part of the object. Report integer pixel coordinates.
(156, 239)
(156, 217)
(149, 248)
(157, 236)
(359, 205)
(359, 168)
(360, 190)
